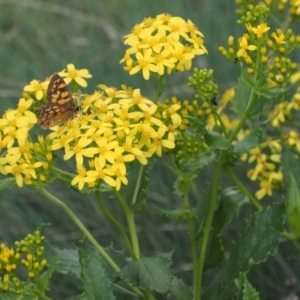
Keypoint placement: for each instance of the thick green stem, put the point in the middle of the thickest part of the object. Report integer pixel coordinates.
(243, 189)
(70, 213)
(115, 222)
(206, 230)
(214, 195)
(137, 185)
(131, 225)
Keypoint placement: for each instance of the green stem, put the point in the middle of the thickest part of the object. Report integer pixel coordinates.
(115, 222)
(193, 242)
(194, 253)
(149, 295)
(243, 189)
(70, 213)
(131, 225)
(137, 185)
(207, 226)
(63, 172)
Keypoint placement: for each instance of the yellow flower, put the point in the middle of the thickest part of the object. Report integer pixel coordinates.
(18, 170)
(260, 30)
(120, 178)
(244, 47)
(77, 75)
(37, 87)
(159, 142)
(105, 150)
(144, 64)
(81, 178)
(101, 173)
(120, 159)
(266, 189)
(160, 43)
(79, 150)
(278, 37)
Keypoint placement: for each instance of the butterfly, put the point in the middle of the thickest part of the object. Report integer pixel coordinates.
(60, 107)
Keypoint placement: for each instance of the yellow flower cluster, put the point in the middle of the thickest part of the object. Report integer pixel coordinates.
(119, 127)
(114, 127)
(8, 265)
(16, 150)
(162, 43)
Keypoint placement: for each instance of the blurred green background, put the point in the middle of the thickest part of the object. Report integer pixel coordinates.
(39, 38)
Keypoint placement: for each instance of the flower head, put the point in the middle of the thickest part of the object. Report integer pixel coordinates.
(161, 45)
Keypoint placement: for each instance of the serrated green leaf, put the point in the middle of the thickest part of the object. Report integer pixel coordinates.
(259, 240)
(95, 282)
(293, 207)
(184, 183)
(249, 293)
(232, 200)
(180, 290)
(240, 99)
(215, 141)
(272, 93)
(68, 262)
(43, 280)
(7, 183)
(151, 273)
(177, 214)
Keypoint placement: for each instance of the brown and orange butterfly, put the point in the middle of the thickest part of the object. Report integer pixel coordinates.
(60, 107)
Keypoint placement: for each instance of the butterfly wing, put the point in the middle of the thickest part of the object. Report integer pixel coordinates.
(60, 107)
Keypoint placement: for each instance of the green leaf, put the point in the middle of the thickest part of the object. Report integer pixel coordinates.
(258, 108)
(95, 283)
(201, 161)
(5, 296)
(249, 142)
(232, 200)
(249, 292)
(68, 262)
(7, 183)
(290, 165)
(43, 280)
(241, 97)
(180, 290)
(271, 93)
(259, 240)
(216, 253)
(81, 297)
(151, 273)
(177, 214)
(293, 207)
(215, 141)
(198, 125)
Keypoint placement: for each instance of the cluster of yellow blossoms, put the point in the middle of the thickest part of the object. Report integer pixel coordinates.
(114, 127)
(10, 259)
(163, 42)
